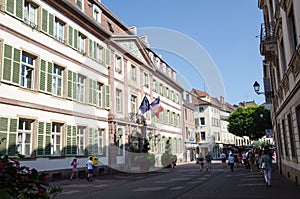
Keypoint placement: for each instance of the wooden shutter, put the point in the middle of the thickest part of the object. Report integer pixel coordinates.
(75, 39)
(107, 97)
(90, 141)
(71, 140)
(19, 9)
(16, 66)
(43, 75)
(107, 57)
(51, 25)
(44, 20)
(12, 138)
(91, 48)
(70, 36)
(43, 139)
(10, 6)
(48, 139)
(3, 133)
(49, 76)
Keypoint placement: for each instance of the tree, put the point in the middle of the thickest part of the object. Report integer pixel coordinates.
(251, 121)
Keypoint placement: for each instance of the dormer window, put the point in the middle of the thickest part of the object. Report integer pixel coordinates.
(79, 3)
(97, 14)
(110, 27)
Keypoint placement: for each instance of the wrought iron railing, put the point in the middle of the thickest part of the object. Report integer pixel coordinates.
(267, 31)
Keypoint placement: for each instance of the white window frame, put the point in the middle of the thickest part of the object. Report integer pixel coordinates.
(118, 100)
(118, 64)
(97, 14)
(80, 90)
(25, 130)
(133, 72)
(146, 80)
(98, 53)
(99, 91)
(57, 80)
(81, 43)
(56, 139)
(30, 13)
(59, 30)
(27, 69)
(100, 140)
(81, 132)
(133, 103)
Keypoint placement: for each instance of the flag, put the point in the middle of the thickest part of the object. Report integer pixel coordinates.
(156, 108)
(145, 105)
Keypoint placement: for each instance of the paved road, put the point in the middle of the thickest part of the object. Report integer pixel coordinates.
(183, 182)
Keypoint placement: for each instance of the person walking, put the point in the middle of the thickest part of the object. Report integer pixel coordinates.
(208, 159)
(223, 158)
(90, 165)
(201, 162)
(74, 169)
(266, 165)
(231, 161)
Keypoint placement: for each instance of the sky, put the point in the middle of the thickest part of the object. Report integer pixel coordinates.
(212, 44)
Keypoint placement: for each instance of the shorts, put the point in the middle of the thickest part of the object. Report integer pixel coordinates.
(90, 171)
(223, 160)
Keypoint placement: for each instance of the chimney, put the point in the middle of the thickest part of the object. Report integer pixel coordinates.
(222, 100)
(133, 29)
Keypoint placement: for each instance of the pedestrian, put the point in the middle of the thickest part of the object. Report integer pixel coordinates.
(74, 169)
(266, 165)
(208, 159)
(244, 157)
(201, 162)
(90, 169)
(223, 158)
(231, 161)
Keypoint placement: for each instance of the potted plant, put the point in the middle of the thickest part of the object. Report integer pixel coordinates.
(168, 160)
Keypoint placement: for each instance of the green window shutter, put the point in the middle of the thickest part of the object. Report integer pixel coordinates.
(49, 77)
(90, 141)
(44, 20)
(74, 85)
(74, 140)
(90, 100)
(10, 6)
(7, 62)
(91, 48)
(3, 133)
(94, 92)
(107, 96)
(12, 138)
(48, 139)
(70, 36)
(16, 66)
(107, 57)
(19, 9)
(51, 25)
(75, 39)
(69, 140)
(70, 85)
(40, 139)
(43, 75)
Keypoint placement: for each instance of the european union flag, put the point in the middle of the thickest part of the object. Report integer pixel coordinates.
(145, 105)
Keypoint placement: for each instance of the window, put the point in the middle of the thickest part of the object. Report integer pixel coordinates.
(110, 27)
(133, 104)
(27, 71)
(81, 43)
(59, 27)
(56, 139)
(79, 3)
(80, 140)
(80, 88)
(97, 14)
(202, 121)
(118, 67)
(291, 135)
(95, 93)
(292, 30)
(57, 80)
(146, 80)
(119, 100)
(24, 145)
(202, 134)
(30, 12)
(133, 73)
(100, 141)
(98, 53)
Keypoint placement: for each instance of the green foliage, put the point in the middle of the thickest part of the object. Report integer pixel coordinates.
(18, 181)
(167, 157)
(251, 121)
(262, 145)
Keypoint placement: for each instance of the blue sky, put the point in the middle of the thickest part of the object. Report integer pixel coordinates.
(226, 31)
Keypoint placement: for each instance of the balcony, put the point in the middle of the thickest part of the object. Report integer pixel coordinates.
(268, 38)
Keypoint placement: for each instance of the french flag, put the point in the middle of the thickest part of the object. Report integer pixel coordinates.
(156, 108)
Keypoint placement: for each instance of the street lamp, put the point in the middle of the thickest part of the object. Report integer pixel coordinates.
(256, 87)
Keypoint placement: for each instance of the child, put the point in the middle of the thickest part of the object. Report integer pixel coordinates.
(74, 169)
(89, 165)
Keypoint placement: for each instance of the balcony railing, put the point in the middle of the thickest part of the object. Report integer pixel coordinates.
(267, 31)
